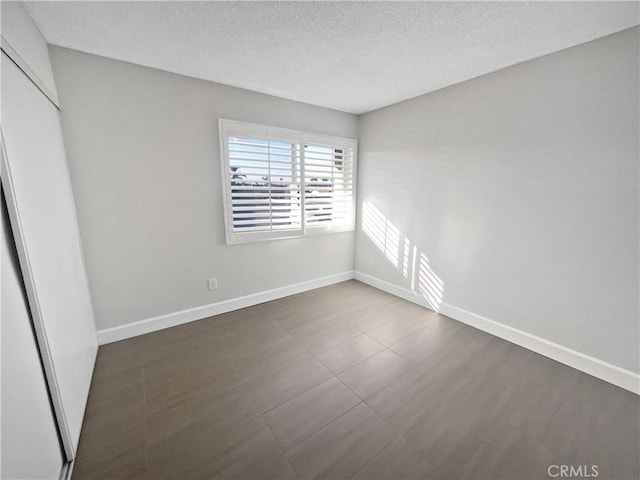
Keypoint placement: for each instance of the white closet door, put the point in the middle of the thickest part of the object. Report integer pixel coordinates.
(42, 212)
(28, 427)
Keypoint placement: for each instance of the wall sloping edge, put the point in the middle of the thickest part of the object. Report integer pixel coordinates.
(25, 45)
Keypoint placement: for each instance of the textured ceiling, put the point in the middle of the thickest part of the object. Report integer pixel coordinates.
(350, 56)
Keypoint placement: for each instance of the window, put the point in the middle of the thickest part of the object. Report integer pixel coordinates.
(280, 183)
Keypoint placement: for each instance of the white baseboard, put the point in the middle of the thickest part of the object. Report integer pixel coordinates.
(122, 332)
(605, 371)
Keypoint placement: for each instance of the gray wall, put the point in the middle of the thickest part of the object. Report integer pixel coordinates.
(521, 189)
(142, 146)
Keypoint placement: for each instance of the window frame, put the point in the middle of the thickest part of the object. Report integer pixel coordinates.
(299, 140)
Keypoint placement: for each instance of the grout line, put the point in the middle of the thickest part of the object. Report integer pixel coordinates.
(325, 426)
(243, 385)
(298, 395)
(262, 415)
(333, 375)
(411, 366)
(397, 433)
(339, 416)
(355, 364)
(295, 472)
(272, 434)
(337, 375)
(277, 443)
(342, 342)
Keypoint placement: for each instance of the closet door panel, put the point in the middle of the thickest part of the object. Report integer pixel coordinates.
(42, 212)
(29, 429)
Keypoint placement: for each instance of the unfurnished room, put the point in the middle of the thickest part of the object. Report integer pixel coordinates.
(392, 240)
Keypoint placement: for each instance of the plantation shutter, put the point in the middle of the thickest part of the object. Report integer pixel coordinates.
(328, 178)
(282, 183)
(265, 186)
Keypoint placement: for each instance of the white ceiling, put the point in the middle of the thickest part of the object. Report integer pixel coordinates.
(350, 56)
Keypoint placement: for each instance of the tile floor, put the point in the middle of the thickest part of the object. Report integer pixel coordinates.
(346, 382)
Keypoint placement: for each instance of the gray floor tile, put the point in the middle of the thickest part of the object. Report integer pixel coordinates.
(326, 337)
(307, 413)
(202, 451)
(217, 398)
(509, 453)
(222, 409)
(129, 464)
(450, 431)
(371, 375)
(277, 469)
(417, 348)
(398, 461)
(274, 388)
(343, 447)
(406, 399)
(349, 353)
(396, 330)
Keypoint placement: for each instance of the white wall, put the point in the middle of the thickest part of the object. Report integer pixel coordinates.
(144, 160)
(25, 45)
(521, 189)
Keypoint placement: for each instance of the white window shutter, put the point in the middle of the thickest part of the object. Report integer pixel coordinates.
(329, 188)
(264, 185)
(282, 183)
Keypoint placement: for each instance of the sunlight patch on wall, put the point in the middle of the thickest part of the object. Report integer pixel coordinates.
(384, 234)
(405, 258)
(429, 284)
(403, 255)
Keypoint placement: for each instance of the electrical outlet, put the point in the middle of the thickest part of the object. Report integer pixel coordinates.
(212, 283)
